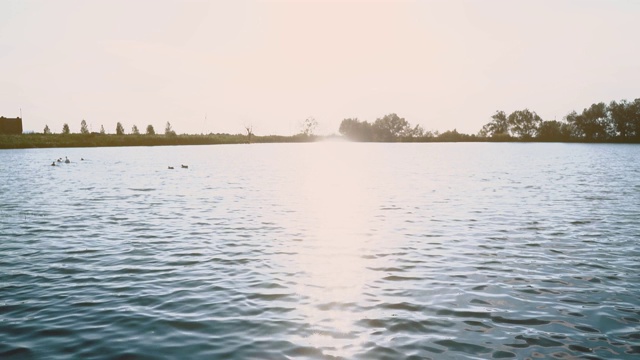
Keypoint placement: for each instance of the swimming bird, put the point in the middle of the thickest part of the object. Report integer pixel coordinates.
(53, 163)
(184, 166)
(66, 160)
(170, 167)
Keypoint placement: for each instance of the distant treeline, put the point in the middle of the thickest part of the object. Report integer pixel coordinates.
(615, 122)
(105, 140)
(86, 138)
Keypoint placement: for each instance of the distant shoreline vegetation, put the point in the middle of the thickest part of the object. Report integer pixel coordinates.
(66, 139)
(617, 122)
(26, 141)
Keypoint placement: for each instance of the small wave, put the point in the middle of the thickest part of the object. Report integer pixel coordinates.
(503, 355)
(464, 313)
(503, 320)
(19, 352)
(270, 297)
(468, 348)
(539, 341)
(400, 278)
(403, 306)
(588, 329)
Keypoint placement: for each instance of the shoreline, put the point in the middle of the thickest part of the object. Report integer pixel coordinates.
(37, 141)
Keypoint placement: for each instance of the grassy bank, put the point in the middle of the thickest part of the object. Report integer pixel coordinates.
(26, 141)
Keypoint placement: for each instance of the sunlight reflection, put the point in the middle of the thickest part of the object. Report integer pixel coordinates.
(338, 209)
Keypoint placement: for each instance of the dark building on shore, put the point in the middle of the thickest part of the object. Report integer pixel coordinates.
(10, 125)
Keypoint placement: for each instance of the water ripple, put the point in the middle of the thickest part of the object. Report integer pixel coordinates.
(343, 251)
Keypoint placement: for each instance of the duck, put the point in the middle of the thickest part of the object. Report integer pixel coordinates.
(170, 167)
(53, 163)
(184, 166)
(66, 160)
(59, 160)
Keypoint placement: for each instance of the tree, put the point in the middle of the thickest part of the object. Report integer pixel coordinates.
(451, 136)
(83, 127)
(597, 121)
(46, 130)
(119, 129)
(134, 130)
(102, 129)
(634, 114)
(309, 126)
(524, 123)
(249, 129)
(150, 130)
(356, 130)
(390, 127)
(65, 129)
(168, 131)
(499, 125)
(624, 118)
(417, 131)
(430, 134)
(592, 124)
(552, 131)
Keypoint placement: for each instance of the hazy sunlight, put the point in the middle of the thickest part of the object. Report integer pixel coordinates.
(332, 255)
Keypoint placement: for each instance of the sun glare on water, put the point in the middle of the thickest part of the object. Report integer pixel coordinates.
(333, 254)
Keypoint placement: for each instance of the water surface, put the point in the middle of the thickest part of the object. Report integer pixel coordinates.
(328, 250)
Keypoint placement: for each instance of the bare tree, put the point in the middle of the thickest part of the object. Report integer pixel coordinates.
(83, 127)
(249, 129)
(168, 131)
(119, 129)
(309, 126)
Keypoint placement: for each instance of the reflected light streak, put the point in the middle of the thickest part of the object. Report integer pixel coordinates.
(338, 211)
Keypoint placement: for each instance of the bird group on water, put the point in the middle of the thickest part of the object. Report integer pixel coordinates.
(66, 161)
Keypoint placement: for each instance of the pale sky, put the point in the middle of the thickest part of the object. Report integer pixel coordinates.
(216, 66)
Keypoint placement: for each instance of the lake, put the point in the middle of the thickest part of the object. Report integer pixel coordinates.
(321, 251)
